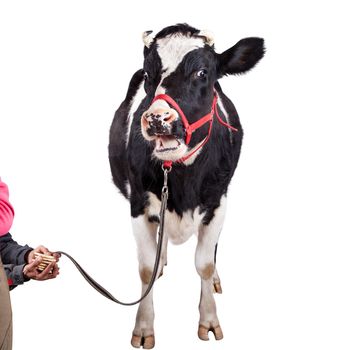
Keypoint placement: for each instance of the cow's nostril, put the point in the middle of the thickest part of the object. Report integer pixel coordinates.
(169, 117)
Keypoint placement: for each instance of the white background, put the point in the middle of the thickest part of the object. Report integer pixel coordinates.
(284, 251)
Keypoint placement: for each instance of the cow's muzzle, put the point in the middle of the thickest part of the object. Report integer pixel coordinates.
(158, 120)
(162, 126)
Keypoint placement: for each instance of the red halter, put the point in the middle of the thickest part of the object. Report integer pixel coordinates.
(190, 128)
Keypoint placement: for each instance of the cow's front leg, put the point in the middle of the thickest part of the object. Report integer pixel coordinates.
(145, 234)
(208, 236)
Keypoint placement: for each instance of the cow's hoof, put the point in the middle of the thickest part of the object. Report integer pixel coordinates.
(146, 342)
(217, 288)
(203, 332)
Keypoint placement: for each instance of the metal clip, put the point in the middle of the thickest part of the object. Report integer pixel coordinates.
(165, 185)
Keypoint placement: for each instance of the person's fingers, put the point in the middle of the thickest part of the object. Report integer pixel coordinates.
(46, 272)
(31, 273)
(34, 264)
(55, 271)
(41, 249)
(53, 275)
(30, 270)
(56, 256)
(55, 268)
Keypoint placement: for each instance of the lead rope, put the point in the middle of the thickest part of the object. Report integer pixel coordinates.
(105, 292)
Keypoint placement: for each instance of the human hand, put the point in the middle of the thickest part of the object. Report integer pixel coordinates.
(31, 270)
(42, 250)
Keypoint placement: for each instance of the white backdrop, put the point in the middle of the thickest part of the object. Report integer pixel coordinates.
(284, 251)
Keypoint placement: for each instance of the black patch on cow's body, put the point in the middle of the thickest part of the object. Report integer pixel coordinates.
(118, 134)
(201, 184)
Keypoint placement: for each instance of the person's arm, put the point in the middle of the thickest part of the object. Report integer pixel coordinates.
(14, 258)
(14, 274)
(12, 252)
(6, 210)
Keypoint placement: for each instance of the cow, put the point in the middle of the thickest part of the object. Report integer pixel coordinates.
(160, 125)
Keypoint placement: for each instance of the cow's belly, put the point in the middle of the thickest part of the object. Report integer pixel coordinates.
(178, 229)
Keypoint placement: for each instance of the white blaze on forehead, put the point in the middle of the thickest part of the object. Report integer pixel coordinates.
(173, 49)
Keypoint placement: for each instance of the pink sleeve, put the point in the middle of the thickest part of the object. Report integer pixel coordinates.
(6, 210)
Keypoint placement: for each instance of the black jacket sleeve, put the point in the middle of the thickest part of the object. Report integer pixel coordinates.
(13, 256)
(11, 252)
(14, 274)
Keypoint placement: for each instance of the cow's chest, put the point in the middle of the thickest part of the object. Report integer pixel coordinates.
(178, 228)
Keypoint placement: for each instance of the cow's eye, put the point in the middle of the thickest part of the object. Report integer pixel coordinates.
(145, 75)
(202, 73)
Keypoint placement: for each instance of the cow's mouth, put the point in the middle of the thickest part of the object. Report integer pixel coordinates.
(167, 144)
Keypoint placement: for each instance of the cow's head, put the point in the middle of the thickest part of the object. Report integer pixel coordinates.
(180, 61)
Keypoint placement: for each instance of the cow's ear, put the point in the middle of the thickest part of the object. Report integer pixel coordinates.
(241, 57)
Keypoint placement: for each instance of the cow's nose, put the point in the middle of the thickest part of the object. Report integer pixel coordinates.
(158, 120)
(159, 114)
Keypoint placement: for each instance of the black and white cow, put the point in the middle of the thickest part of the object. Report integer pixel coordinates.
(179, 62)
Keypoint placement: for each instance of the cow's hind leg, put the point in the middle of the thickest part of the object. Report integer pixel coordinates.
(208, 236)
(216, 279)
(145, 235)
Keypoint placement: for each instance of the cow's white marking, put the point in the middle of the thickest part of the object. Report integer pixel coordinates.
(178, 229)
(221, 105)
(145, 236)
(224, 111)
(160, 90)
(128, 188)
(209, 235)
(134, 104)
(172, 49)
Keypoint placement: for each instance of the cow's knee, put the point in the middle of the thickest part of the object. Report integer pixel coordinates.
(146, 275)
(206, 271)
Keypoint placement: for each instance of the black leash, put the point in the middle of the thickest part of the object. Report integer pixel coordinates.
(105, 292)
